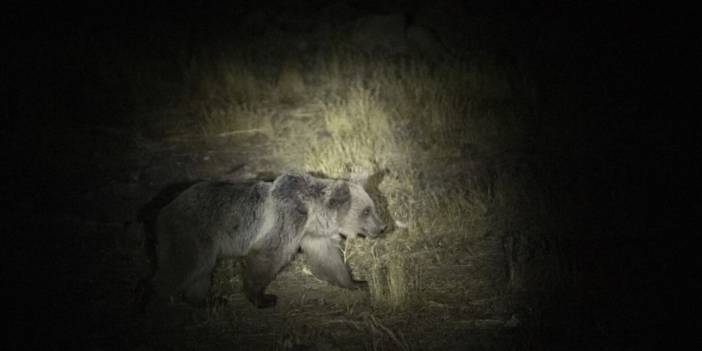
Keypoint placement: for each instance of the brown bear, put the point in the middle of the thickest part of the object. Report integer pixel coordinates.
(266, 223)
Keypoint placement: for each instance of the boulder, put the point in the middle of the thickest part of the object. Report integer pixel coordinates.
(381, 34)
(426, 43)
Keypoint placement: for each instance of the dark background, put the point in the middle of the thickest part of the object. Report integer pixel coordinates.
(610, 67)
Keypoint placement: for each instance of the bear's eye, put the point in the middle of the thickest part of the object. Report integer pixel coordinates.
(365, 212)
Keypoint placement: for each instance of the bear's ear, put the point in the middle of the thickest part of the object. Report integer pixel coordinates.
(360, 178)
(340, 195)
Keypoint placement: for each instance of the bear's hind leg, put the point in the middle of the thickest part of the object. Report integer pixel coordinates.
(167, 280)
(199, 276)
(197, 291)
(186, 272)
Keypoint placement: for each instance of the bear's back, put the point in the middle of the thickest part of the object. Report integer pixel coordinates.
(224, 213)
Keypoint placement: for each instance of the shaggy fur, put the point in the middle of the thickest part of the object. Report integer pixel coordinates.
(266, 223)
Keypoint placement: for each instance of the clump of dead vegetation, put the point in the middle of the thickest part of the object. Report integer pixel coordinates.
(439, 136)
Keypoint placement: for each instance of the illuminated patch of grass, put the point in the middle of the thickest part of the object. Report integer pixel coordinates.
(229, 120)
(359, 135)
(352, 113)
(395, 281)
(411, 119)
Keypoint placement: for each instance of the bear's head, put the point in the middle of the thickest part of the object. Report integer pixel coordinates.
(355, 210)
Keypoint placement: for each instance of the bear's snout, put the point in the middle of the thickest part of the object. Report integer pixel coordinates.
(377, 229)
(383, 228)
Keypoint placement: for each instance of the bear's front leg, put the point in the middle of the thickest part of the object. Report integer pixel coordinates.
(326, 261)
(260, 268)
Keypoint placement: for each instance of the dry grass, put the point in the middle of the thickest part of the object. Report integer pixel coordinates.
(412, 119)
(416, 122)
(370, 114)
(221, 121)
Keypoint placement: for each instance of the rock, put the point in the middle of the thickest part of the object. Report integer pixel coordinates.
(337, 13)
(449, 20)
(445, 17)
(255, 22)
(381, 34)
(392, 35)
(425, 42)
